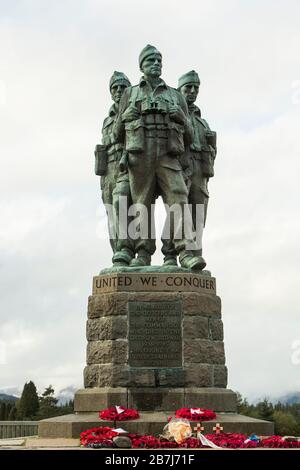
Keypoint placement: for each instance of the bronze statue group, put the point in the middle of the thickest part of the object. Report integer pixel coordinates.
(155, 143)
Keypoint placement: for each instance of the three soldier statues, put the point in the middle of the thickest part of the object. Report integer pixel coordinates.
(155, 143)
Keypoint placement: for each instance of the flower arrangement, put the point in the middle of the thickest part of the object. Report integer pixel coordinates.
(98, 437)
(177, 433)
(103, 437)
(195, 414)
(118, 413)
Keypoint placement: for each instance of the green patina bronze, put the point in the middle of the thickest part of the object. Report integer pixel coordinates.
(155, 143)
(114, 183)
(199, 157)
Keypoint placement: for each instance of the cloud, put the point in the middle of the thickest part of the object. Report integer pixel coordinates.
(56, 63)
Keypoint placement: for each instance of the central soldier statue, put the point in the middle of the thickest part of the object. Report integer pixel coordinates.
(154, 123)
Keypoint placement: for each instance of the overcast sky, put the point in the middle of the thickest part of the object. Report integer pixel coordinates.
(56, 60)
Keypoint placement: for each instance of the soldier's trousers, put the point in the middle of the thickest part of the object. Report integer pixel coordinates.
(198, 201)
(150, 173)
(115, 185)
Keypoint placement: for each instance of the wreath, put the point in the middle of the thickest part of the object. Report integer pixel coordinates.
(195, 414)
(98, 437)
(118, 413)
(103, 437)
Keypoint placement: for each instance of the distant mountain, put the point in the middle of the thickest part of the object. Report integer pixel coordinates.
(66, 394)
(289, 398)
(4, 396)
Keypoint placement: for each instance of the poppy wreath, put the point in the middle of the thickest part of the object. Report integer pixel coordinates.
(118, 413)
(103, 437)
(278, 442)
(98, 437)
(152, 442)
(192, 415)
(232, 440)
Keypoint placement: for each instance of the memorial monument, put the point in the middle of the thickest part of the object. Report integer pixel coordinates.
(155, 333)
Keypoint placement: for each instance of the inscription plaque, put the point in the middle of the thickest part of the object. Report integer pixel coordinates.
(155, 334)
(164, 282)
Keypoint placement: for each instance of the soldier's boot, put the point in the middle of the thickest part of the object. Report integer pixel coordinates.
(143, 259)
(122, 257)
(189, 261)
(170, 260)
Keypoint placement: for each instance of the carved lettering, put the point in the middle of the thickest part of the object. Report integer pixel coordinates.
(155, 334)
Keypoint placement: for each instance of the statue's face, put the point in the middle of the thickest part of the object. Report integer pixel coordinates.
(190, 92)
(117, 91)
(152, 65)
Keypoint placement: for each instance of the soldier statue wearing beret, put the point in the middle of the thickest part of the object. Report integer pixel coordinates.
(200, 155)
(114, 183)
(153, 121)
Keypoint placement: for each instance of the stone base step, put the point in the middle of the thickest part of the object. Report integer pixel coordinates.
(70, 426)
(155, 399)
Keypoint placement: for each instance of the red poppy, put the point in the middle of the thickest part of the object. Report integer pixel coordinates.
(195, 414)
(97, 436)
(118, 413)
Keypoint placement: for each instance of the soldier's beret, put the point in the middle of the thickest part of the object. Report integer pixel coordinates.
(119, 77)
(190, 77)
(148, 50)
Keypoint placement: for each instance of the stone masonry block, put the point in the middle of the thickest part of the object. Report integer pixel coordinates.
(201, 304)
(107, 304)
(170, 377)
(106, 375)
(216, 329)
(198, 375)
(220, 376)
(195, 327)
(109, 351)
(106, 328)
(204, 351)
(139, 377)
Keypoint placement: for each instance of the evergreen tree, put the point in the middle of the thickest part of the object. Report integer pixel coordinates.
(13, 414)
(265, 410)
(48, 404)
(9, 406)
(243, 406)
(3, 411)
(29, 403)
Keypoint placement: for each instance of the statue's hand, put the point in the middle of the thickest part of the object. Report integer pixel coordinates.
(130, 114)
(176, 114)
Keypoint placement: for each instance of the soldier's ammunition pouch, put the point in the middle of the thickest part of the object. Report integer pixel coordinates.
(207, 161)
(175, 139)
(100, 160)
(134, 136)
(211, 138)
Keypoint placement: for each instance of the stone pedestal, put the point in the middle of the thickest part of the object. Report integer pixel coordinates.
(155, 343)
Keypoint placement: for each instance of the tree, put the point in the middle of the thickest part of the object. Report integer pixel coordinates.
(29, 402)
(243, 406)
(285, 424)
(48, 404)
(13, 414)
(9, 406)
(265, 410)
(3, 411)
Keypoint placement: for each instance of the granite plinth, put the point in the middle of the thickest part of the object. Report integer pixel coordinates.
(155, 399)
(70, 426)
